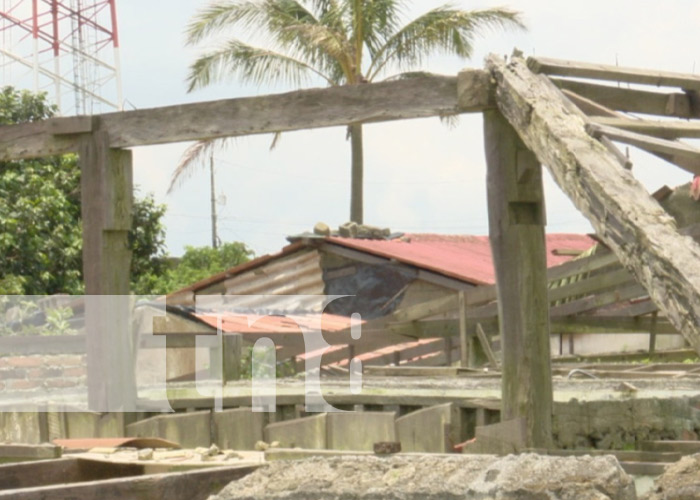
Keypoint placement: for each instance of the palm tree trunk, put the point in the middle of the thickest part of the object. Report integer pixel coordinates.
(357, 173)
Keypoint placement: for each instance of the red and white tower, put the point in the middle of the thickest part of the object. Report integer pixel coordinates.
(67, 48)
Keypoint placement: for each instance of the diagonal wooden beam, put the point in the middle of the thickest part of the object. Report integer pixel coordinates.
(613, 73)
(665, 129)
(303, 109)
(625, 216)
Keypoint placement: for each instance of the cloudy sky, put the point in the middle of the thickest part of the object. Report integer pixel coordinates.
(421, 176)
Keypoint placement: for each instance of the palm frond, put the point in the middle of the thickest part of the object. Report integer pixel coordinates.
(444, 29)
(193, 157)
(223, 15)
(253, 64)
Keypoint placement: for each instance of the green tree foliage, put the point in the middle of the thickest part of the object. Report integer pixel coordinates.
(342, 42)
(40, 219)
(196, 264)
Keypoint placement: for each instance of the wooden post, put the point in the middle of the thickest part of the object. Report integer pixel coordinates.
(107, 196)
(232, 347)
(516, 228)
(652, 332)
(463, 338)
(448, 351)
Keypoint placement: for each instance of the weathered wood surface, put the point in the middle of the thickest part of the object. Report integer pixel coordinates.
(665, 129)
(189, 485)
(589, 106)
(681, 154)
(625, 216)
(631, 100)
(304, 109)
(613, 73)
(516, 230)
(106, 204)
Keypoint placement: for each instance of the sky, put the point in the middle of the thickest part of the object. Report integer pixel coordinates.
(420, 175)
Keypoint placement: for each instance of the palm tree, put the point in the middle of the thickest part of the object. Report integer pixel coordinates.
(342, 42)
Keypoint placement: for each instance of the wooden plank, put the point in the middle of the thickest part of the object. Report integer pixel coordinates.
(463, 335)
(625, 217)
(681, 154)
(632, 100)
(657, 128)
(303, 109)
(516, 230)
(189, 485)
(591, 108)
(610, 324)
(486, 346)
(597, 300)
(613, 73)
(232, 353)
(59, 344)
(107, 197)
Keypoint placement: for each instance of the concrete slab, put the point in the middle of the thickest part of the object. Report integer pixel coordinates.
(307, 432)
(190, 430)
(359, 430)
(431, 430)
(238, 429)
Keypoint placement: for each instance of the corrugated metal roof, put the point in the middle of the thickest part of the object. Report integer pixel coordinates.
(288, 323)
(466, 258)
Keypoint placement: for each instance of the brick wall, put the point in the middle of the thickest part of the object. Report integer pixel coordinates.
(27, 373)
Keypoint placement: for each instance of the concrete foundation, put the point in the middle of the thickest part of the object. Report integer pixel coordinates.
(190, 430)
(431, 430)
(238, 429)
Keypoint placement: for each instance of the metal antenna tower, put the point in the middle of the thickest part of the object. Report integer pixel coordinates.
(67, 48)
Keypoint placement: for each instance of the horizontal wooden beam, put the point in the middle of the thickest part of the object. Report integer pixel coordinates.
(635, 227)
(678, 153)
(658, 128)
(418, 97)
(677, 104)
(613, 73)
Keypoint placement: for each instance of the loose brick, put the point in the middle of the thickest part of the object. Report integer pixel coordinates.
(10, 373)
(23, 385)
(60, 382)
(25, 361)
(75, 360)
(76, 371)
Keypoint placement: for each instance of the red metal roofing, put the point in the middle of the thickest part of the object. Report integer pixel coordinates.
(289, 323)
(466, 258)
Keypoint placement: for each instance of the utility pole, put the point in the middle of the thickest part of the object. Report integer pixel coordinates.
(214, 235)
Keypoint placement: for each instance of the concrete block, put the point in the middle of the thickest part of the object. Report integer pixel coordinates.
(238, 429)
(503, 438)
(91, 424)
(359, 430)
(307, 432)
(190, 430)
(435, 429)
(27, 427)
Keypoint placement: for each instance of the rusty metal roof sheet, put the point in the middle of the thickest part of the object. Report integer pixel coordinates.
(466, 258)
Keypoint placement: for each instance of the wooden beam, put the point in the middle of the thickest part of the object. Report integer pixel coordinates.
(624, 215)
(516, 230)
(303, 109)
(613, 73)
(486, 346)
(632, 100)
(107, 195)
(591, 108)
(664, 129)
(463, 334)
(681, 154)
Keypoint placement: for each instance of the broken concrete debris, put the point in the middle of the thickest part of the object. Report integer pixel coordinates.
(522, 477)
